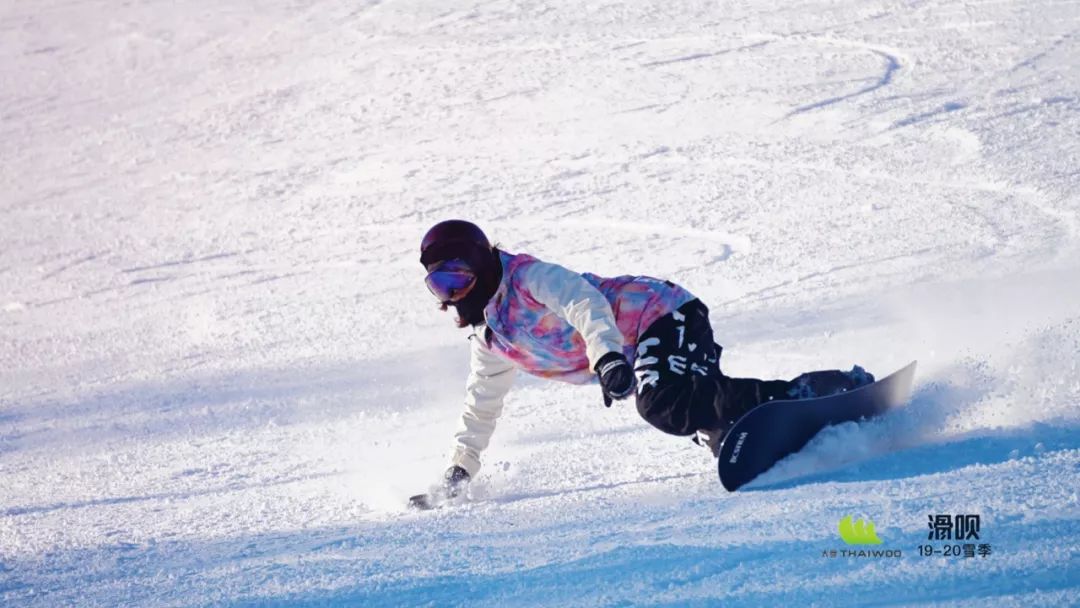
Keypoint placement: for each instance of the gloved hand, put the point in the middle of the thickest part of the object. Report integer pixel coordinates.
(616, 377)
(455, 481)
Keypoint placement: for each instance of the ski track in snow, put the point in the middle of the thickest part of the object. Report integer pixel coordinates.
(221, 375)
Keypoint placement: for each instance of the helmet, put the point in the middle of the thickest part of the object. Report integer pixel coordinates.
(463, 268)
(453, 239)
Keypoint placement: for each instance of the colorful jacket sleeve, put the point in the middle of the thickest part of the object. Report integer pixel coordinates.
(576, 301)
(490, 378)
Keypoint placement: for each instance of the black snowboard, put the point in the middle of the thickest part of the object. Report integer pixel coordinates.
(776, 429)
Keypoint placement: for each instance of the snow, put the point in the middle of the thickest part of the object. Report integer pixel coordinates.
(221, 374)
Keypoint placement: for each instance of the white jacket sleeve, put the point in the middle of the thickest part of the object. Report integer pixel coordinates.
(490, 378)
(575, 300)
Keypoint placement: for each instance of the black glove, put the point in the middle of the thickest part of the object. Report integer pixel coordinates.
(616, 377)
(455, 480)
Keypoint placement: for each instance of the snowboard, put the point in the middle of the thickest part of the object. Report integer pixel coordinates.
(773, 430)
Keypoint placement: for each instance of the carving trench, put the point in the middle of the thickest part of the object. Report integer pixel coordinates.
(892, 64)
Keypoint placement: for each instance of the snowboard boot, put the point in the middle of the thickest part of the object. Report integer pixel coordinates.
(830, 382)
(734, 398)
(711, 438)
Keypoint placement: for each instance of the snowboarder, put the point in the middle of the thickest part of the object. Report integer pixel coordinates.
(635, 335)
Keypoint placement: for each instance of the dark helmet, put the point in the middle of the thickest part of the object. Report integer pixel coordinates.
(453, 239)
(461, 240)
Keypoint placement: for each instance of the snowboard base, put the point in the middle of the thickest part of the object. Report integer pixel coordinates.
(773, 430)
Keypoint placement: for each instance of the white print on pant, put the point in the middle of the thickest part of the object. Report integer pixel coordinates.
(677, 364)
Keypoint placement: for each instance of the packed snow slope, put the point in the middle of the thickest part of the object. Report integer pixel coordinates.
(221, 374)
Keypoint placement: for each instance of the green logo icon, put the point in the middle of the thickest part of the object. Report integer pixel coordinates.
(858, 532)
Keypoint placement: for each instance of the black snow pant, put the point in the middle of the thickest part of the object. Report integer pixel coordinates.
(680, 386)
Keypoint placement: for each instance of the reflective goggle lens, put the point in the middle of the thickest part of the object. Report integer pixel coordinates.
(451, 280)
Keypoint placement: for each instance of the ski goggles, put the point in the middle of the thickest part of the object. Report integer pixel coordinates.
(451, 280)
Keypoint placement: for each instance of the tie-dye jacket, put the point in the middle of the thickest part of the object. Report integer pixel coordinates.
(551, 322)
